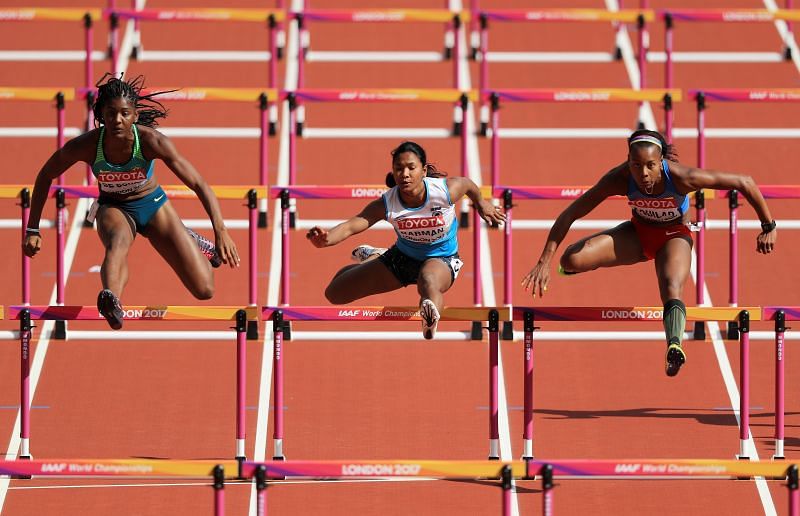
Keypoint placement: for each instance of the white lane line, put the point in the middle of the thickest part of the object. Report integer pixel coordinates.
(265, 382)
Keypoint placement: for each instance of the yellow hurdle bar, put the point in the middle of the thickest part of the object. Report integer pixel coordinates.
(141, 313)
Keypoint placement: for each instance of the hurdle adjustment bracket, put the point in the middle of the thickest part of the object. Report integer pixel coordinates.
(508, 331)
(60, 330)
(699, 330)
(477, 331)
(733, 330)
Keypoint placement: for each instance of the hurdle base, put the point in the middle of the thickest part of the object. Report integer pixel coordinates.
(699, 330)
(733, 330)
(476, 333)
(262, 219)
(252, 330)
(22, 477)
(508, 331)
(60, 330)
(463, 220)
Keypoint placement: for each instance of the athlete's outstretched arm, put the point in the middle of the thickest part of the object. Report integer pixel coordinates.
(613, 183)
(461, 186)
(72, 152)
(689, 179)
(371, 214)
(162, 148)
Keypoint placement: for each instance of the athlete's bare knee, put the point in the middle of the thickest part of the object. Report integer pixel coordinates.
(571, 260)
(203, 292)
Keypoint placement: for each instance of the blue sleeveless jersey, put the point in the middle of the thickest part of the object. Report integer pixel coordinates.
(669, 206)
(121, 179)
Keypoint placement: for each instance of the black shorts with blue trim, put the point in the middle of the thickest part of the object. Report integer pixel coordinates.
(406, 269)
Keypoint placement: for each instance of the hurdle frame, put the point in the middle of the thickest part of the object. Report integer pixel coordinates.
(453, 21)
(702, 97)
(26, 314)
(271, 18)
(670, 16)
(66, 14)
(61, 193)
(281, 317)
(530, 315)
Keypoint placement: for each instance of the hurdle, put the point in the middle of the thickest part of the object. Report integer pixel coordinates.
(702, 97)
(494, 98)
(460, 100)
(269, 17)
(639, 16)
(65, 14)
(126, 468)
(531, 315)
(267, 121)
(59, 95)
(26, 314)
(287, 193)
(453, 21)
(251, 193)
(282, 316)
(671, 16)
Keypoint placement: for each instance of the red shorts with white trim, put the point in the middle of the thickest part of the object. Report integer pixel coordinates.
(652, 238)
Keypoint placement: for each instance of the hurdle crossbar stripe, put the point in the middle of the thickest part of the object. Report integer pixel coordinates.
(383, 15)
(384, 95)
(378, 313)
(116, 468)
(173, 191)
(142, 313)
(631, 313)
(48, 13)
(780, 191)
(451, 469)
(200, 14)
(582, 95)
(748, 95)
(456, 469)
(46, 94)
(329, 192)
(568, 15)
(199, 94)
(791, 313)
(719, 15)
(565, 192)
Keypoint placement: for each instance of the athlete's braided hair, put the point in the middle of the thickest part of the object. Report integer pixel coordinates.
(668, 150)
(409, 146)
(110, 87)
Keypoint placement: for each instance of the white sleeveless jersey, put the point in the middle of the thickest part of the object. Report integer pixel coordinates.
(426, 231)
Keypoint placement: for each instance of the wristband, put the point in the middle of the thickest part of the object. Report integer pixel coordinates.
(766, 227)
(32, 231)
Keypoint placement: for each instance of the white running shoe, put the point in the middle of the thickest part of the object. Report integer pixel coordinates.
(430, 318)
(363, 252)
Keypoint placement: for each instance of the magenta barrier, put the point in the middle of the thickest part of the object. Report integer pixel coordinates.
(269, 17)
(530, 316)
(61, 313)
(671, 16)
(65, 14)
(702, 97)
(282, 316)
(289, 192)
(452, 21)
(61, 193)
